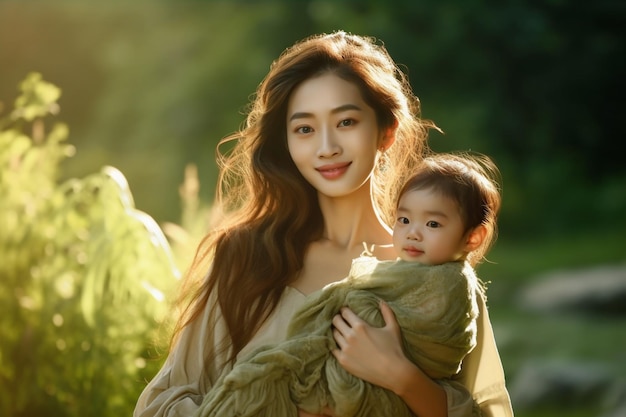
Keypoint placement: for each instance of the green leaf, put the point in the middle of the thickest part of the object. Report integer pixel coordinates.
(38, 98)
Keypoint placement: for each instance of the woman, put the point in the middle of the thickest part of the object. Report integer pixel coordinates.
(332, 132)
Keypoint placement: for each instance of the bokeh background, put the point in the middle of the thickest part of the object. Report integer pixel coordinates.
(149, 87)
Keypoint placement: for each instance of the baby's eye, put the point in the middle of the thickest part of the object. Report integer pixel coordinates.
(432, 224)
(403, 220)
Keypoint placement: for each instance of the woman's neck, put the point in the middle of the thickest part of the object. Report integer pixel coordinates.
(351, 220)
(348, 223)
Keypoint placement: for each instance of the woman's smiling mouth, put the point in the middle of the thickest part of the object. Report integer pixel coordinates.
(333, 171)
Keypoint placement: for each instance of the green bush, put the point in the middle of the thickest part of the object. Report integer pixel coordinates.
(84, 276)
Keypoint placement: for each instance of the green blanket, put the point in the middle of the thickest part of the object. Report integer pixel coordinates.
(435, 307)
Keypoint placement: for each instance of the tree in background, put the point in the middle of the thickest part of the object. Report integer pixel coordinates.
(152, 86)
(84, 276)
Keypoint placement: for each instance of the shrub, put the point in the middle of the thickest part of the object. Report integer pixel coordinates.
(84, 275)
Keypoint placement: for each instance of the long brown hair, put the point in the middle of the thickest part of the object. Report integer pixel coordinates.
(270, 212)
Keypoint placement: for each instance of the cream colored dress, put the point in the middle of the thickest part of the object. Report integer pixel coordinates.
(179, 387)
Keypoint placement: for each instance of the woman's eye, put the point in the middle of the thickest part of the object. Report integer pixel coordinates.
(432, 224)
(346, 122)
(403, 220)
(304, 129)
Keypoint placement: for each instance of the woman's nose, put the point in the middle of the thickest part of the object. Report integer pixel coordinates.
(328, 146)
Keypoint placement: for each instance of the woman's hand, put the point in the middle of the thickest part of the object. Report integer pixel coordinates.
(376, 356)
(360, 343)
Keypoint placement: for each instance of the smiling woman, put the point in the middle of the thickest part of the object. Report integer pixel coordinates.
(301, 191)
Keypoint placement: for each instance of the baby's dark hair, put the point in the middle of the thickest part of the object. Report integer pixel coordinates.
(470, 180)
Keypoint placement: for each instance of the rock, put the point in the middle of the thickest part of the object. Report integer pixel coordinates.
(563, 385)
(616, 400)
(600, 290)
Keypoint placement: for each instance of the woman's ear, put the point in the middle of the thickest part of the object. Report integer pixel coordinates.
(389, 137)
(475, 238)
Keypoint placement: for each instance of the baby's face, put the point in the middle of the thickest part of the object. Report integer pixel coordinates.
(428, 228)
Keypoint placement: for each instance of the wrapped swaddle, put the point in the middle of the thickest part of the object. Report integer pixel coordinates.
(435, 307)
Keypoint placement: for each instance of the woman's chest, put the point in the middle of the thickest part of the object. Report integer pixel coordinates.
(325, 264)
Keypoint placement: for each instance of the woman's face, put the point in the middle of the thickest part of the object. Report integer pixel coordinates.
(332, 134)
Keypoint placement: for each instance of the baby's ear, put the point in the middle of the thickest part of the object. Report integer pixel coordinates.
(475, 238)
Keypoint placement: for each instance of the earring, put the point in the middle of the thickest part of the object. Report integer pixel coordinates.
(382, 160)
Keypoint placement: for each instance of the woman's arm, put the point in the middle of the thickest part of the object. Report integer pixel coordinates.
(376, 356)
(482, 373)
(179, 387)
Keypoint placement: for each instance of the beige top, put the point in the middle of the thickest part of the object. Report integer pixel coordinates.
(179, 387)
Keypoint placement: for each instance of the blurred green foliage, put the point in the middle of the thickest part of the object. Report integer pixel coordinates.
(151, 86)
(84, 275)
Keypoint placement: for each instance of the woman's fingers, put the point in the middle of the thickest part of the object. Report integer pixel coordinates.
(345, 326)
(347, 321)
(390, 318)
(359, 342)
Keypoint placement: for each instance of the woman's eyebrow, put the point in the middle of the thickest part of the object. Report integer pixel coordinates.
(342, 108)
